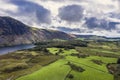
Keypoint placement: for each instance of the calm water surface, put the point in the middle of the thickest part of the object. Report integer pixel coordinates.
(6, 50)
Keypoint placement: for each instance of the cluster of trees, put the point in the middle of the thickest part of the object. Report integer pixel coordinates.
(60, 51)
(70, 76)
(62, 44)
(80, 55)
(99, 62)
(118, 62)
(75, 67)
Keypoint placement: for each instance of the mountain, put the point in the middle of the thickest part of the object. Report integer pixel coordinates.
(14, 32)
(95, 37)
(89, 37)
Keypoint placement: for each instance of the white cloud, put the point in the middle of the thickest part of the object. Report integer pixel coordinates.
(92, 8)
(4, 6)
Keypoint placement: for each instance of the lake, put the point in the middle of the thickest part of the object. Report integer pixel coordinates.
(6, 50)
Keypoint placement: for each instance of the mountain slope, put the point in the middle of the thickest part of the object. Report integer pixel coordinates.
(14, 32)
(95, 37)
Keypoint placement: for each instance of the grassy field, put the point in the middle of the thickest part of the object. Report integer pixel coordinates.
(21, 63)
(62, 51)
(74, 60)
(92, 71)
(59, 70)
(55, 71)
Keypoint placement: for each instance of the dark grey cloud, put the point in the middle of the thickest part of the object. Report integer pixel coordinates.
(54, 0)
(114, 15)
(76, 30)
(29, 9)
(67, 29)
(94, 23)
(63, 0)
(71, 13)
(118, 31)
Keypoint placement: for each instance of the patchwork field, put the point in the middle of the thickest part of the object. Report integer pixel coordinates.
(20, 63)
(60, 70)
(64, 60)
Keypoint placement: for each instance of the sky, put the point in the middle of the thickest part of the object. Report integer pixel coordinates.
(84, 17)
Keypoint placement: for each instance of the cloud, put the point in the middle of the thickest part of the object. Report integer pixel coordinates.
(114, 16)
(29, 13)
(67, 15)
(4, 6)
(60, 0)
(7, 6)
(71, 13)
(66, 29)
(94, 23)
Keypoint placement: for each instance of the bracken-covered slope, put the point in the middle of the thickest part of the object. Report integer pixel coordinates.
(14, 32)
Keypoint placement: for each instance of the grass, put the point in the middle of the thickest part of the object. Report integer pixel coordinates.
(19, 73)
(55, 66)
(105, 51)
(58, 70)
(64, 52)
(87, 61)
(69, 51)
(54, 50)
(22, 63)
(92, 70)
(91, 74)
(54, 71)
(98, 51)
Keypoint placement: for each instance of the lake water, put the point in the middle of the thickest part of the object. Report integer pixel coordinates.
(6, 50)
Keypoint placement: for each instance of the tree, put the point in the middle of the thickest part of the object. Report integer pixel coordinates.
(70, 76)
(118, 61)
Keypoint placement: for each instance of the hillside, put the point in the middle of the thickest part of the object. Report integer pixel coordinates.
(95, 37)
(14, 32)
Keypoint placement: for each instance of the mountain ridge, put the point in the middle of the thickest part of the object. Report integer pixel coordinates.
(95, 37)
(14, 32)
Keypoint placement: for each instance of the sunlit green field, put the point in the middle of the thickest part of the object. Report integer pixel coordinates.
(55, 71)
(63, 52)
(59, 69)
(61, 61)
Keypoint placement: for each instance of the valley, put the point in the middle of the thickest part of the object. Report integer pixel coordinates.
(61, 60)
(59, 40)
